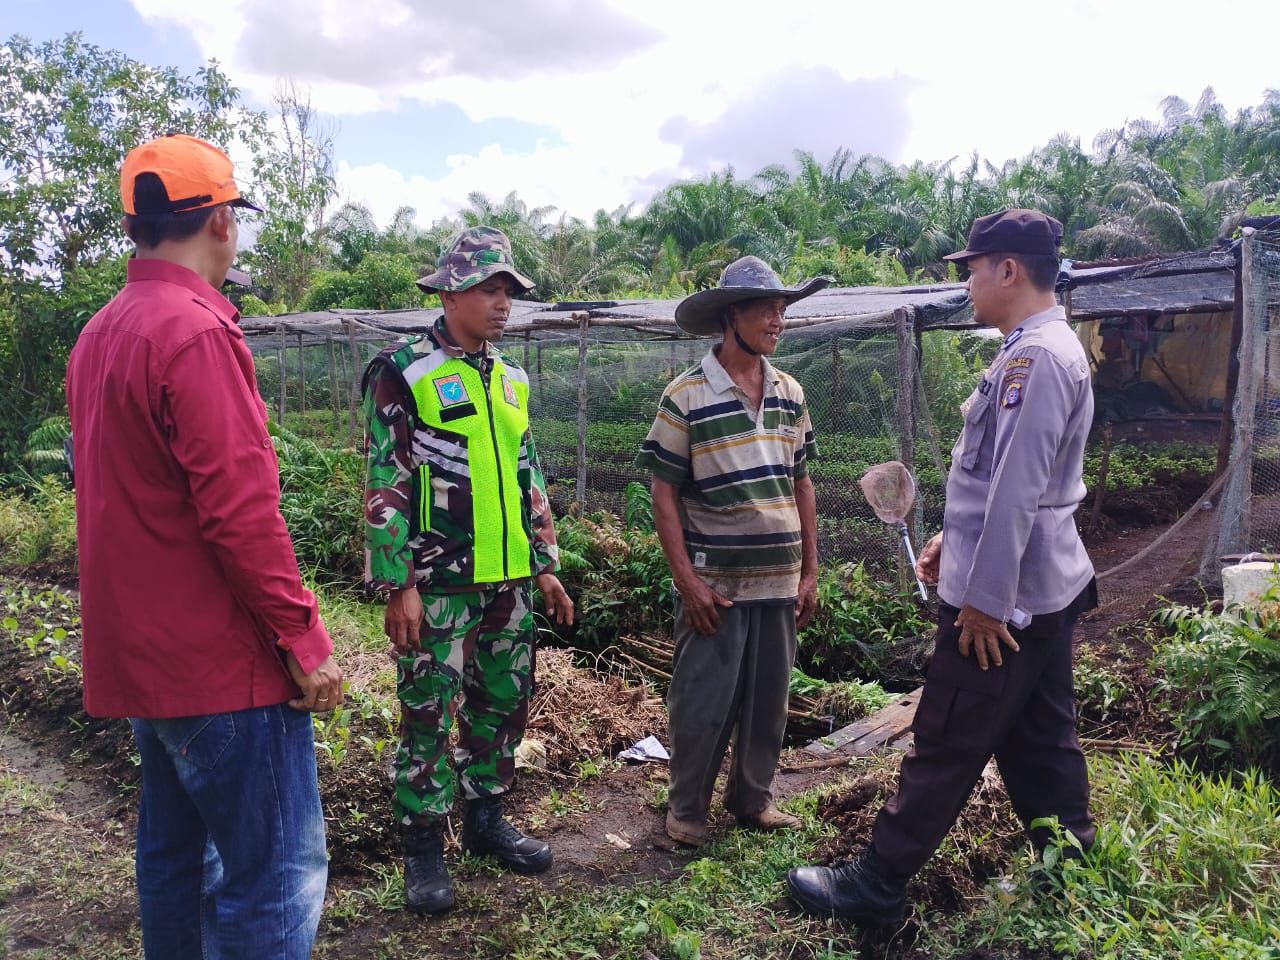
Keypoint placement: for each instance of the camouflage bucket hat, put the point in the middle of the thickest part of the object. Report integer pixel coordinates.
(475, 254)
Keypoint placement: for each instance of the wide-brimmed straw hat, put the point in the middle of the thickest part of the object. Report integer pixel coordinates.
(748, 278)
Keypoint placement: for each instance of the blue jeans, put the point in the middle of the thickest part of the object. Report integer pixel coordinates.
(231, 855)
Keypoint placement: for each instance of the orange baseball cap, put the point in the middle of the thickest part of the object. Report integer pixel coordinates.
(195, 174)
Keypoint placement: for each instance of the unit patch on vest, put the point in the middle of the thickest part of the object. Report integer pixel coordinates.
(450, 390)
(509, 392)
(1012, 394)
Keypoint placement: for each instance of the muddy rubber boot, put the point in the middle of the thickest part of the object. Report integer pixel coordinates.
(427, 887)
(487, 833)
(861, 890)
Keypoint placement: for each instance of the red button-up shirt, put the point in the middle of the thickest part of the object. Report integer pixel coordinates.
(189, 587)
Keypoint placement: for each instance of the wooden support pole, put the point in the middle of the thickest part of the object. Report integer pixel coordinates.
(333, 382)
(302, 377)
(580, 494)
(353, 396)
(284, 376)
(1099, 495)
(1256, 358)
(526, 352)
(1233, 372)
(904, 325)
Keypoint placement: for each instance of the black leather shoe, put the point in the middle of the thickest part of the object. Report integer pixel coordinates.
(427, 887)
(487, 833)
(860, 889)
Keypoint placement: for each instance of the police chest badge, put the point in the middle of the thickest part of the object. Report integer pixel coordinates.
(450, 390)
(1012, 395)
(509, 392)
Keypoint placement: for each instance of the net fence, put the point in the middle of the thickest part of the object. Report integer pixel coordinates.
(880, 388)
(1248, 518)
(852, 374)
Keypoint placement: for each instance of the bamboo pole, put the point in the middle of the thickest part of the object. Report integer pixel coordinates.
(1104, 468)
(302, 377)
(904, 324)
(333, 381)
(1227, 428)
(1257, 362)
(580, 495)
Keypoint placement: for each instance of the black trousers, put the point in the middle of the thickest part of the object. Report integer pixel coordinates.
(1022, 713)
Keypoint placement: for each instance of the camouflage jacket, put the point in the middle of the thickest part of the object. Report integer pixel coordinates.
(420, 514)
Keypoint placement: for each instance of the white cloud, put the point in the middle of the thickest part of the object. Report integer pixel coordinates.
(571, 180)
(928, 81)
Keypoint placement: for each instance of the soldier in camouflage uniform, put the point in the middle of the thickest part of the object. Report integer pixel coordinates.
(457, 529)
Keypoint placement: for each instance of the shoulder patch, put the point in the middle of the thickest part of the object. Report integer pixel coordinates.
(450, 390)
(1018, 363)
(1012, 395)
(509, 392)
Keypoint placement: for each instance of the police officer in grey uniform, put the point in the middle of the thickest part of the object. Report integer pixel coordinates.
(1012, 578)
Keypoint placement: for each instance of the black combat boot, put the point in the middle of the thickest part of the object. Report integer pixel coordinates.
(487, 833)
(427, 887)
(861, 889)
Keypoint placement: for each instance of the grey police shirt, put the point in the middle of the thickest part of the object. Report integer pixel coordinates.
(1010, 546)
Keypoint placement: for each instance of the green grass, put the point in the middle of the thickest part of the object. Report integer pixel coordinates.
(724, 902)
(38, 529)
(1185, 865)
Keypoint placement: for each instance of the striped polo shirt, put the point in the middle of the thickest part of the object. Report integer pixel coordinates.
(735, 468)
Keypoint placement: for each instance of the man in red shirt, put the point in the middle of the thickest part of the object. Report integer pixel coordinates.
(196, 624)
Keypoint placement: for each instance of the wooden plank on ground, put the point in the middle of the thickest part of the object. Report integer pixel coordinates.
(870, 734)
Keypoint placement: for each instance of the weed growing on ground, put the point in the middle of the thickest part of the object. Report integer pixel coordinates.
(1099, 688)
(38, 528)
(1223, 672)
(1184, 866)
(723, 902)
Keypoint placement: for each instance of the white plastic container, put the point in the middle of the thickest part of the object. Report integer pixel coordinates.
(1243, 584)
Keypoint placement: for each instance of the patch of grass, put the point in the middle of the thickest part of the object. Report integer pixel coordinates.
(1099, 687)
(38, 529)
(64, 881)
(724, 903)
(1185, 865)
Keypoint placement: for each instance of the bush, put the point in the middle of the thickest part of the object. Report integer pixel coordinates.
(617, 577)
(322, 502)
(38, 529)
(1222, 673)
(859, 625)
(1184, 866)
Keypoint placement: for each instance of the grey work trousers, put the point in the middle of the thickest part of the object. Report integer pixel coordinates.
(735, 679)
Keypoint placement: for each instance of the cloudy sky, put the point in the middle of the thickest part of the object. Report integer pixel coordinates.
(583, 104)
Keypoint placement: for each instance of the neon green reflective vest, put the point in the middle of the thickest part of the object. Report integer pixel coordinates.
(475, 454)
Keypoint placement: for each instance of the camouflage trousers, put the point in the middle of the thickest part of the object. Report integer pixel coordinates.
(477, 648)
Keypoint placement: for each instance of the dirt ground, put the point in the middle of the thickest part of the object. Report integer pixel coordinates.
(67, 786)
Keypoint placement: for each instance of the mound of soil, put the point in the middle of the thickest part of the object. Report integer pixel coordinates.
(979, 848)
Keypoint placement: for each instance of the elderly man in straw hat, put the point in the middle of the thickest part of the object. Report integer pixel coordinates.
(457, 529)
(728, 453)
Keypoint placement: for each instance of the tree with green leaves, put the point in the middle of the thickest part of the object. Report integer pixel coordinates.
(69, 112)
(294, 179)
